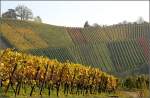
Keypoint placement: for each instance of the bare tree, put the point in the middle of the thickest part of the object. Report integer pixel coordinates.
(24, 12)
(86, 24)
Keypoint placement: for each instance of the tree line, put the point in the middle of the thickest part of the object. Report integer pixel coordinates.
(139, 20)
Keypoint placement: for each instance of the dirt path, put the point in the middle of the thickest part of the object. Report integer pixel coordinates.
(3, 44)
(132, 94)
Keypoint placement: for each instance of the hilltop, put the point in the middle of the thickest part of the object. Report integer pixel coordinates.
(121, 48)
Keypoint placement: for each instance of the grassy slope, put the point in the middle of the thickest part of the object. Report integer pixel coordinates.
(35, 35)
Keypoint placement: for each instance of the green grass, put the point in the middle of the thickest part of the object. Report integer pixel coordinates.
(120, 93)
(10, 94)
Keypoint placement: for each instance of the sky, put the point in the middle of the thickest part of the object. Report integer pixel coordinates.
(75, 13)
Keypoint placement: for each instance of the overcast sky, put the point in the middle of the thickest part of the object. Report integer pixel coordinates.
(75, 13)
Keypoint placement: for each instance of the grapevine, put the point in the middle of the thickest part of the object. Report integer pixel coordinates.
(22, 70)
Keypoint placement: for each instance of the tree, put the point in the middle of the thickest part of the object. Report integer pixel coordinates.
(86, 24)
(124, 22)
(38, 19)
(11, 13)
(96, 25)
(24, 12)
(140, 20)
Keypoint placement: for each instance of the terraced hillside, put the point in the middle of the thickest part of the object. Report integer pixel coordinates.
(115, 49)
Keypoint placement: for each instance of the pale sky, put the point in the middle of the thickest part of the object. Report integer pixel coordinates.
(75, 13)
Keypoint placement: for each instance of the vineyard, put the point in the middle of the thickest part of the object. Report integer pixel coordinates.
(39, 59)
(117, 49)
(27, 75)
(20, 71)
